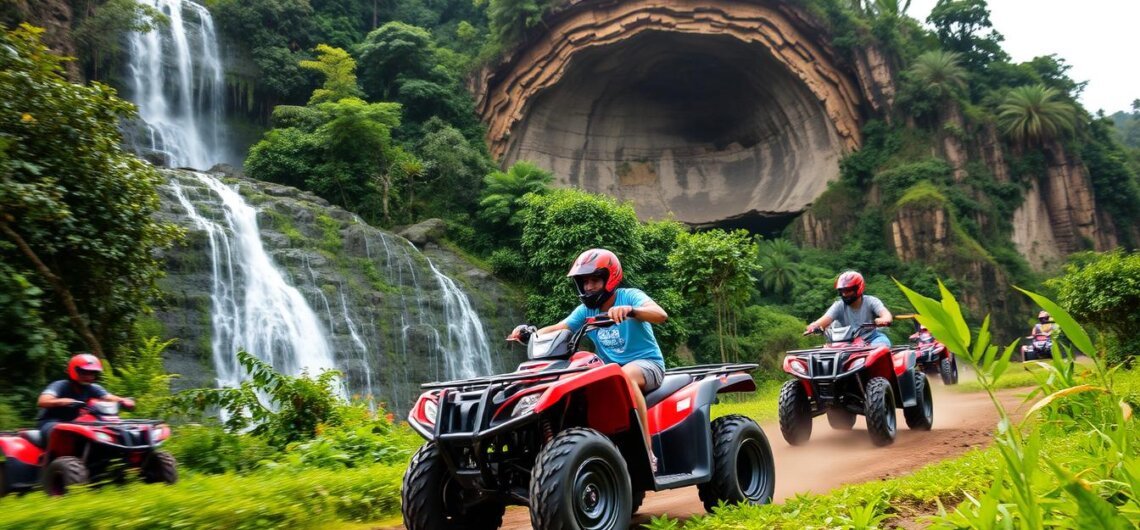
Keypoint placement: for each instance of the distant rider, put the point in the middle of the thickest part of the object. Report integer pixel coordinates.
(855, 309)
(630, 342)
(61, 400)
(1044, 325)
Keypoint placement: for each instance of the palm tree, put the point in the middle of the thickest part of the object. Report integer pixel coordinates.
(940, 72)
(1036, 114)
(502, 198)
(778, 269)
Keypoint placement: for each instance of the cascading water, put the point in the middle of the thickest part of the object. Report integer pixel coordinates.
(253, 307)
(176, 80)
(373, 306)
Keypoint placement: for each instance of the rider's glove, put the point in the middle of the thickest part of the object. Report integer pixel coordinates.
(127, 403)
(523, 332)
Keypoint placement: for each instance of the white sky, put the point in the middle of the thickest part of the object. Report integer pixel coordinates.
(1100, 39)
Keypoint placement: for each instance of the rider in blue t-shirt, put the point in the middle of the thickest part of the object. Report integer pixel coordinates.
(630, 343)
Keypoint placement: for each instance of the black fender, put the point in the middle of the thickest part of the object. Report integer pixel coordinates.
(908, 394)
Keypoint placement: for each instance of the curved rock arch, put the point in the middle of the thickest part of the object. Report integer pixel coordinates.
(800, 106)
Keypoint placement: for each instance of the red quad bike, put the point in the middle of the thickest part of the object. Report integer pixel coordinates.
(1040, 347)
(849, 376)
(97, 444)
(931, 356)
(561, 435)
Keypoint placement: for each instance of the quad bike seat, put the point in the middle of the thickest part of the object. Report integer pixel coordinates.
(669, 385)
(34, 436)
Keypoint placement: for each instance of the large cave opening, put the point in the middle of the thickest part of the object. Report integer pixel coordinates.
(700, 127)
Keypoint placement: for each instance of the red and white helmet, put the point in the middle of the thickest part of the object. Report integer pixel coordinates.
(591, 262)
(847, 281)
(84, 362)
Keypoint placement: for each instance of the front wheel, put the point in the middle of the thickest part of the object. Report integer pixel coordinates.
(920, 417)
(743, 468)
(795, 413)
(160, 466)
(431, 500)
(880, 412)
(580, 482)
(63, 473)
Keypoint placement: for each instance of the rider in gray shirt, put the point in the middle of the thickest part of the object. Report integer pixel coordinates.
(855, 309)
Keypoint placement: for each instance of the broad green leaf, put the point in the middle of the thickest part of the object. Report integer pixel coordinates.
(1093, 511)
(1068, 324)
(950, 304)
(1003, 362)
(1045, 401)
(932, 315)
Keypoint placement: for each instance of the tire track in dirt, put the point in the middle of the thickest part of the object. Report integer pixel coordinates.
(836, 458)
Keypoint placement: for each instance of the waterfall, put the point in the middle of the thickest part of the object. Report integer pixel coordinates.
(253, 307)
(378, 310)
(176, 80)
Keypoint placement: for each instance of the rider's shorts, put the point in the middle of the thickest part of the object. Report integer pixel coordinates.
(653, 373)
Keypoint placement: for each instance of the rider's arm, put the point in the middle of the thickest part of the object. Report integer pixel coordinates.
(650, 312)
(552, 328)
(47, 401)
(885, 317)
(821, 323)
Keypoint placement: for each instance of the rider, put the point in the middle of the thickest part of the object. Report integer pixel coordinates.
(630, 342)
(855, 309)
(1044, 325)
(60, 401)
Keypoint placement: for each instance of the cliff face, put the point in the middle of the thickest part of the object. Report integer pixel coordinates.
(703, 110)
(56, 17)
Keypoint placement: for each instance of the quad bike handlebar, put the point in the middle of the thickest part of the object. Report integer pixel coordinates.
(861, 327)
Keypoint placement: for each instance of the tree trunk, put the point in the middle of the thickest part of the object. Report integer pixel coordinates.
(720, 329)
(60, 289)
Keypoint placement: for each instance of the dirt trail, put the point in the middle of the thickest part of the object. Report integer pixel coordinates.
(834, 458)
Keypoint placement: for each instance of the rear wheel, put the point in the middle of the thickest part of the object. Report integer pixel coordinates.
(580, 482)
(880, 412)
(431, 500)
(743, 468)
(63, 473)
(920, 417)
(4, 489)
(160, 466)
(948, 370)
(840, 419)
(795, 413)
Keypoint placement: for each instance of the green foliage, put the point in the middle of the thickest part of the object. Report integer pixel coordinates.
(964, 27)
(561, 224)
(339, 71)
(504, 193)
(83, 207)
(211, 449)
(1116, 182)
(1036, 114)
(1104, 290)
(779, 268)
(99, 35)
(901, 180)
(766, 333)
(287, 499)
(511, 19)
(455, 167)
(715, 269)
(277, 407)
(139, 373)
(940, 74)
(360, 439)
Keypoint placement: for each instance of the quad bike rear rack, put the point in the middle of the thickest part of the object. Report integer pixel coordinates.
(481, 382)
(712, 369)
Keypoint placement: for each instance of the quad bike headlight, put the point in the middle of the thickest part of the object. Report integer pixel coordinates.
(104, 437)
(525, 405)
(798, 367)
(431, 410)
(856, 364)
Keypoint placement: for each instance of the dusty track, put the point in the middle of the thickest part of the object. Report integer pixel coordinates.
(834, 458)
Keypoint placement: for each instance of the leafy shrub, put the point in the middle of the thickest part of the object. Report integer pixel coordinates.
(1104, 289)
(263, 500)
(210, 449)
(139, 373)
(296, 405)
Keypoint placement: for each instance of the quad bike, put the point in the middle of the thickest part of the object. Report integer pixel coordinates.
(1040, 347)
(849, 376)
(562, 436)
(931, 356)
(97, 444)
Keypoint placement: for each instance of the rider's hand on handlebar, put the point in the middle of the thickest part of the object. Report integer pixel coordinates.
(76, 404)
(127, 403)
(522, 333)
(882, 322)
(811, 328)
(619, 313)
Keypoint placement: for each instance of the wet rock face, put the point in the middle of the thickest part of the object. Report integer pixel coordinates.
(707, 111)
